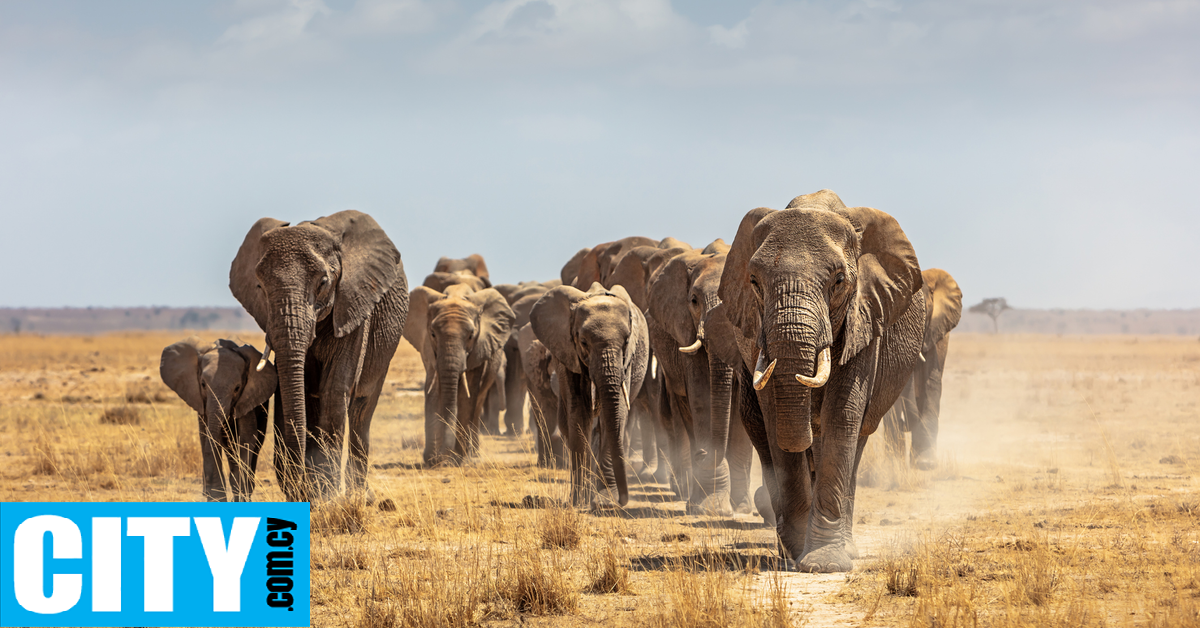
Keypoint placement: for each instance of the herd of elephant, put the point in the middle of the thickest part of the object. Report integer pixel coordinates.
(797, 341)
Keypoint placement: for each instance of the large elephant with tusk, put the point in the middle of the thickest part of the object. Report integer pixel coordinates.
(332, 296)
(828, 304)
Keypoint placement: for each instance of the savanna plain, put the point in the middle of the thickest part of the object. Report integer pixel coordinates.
(1066, 495)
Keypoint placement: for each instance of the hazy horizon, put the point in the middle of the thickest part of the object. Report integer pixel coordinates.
(1046, 153)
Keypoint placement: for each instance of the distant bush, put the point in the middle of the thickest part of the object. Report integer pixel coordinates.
(121, 415)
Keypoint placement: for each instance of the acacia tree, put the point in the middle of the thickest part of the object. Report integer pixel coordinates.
(993, 308)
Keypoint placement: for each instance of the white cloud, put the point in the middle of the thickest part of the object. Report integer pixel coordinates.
(283, 25)
(734, 37)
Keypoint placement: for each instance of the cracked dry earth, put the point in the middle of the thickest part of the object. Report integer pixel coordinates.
(1065, 495)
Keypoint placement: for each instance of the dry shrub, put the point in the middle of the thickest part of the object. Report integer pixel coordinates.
(533, 586)
(121, 415)
(699, 597)
(561, 527)
(608, 575)
(341, 515)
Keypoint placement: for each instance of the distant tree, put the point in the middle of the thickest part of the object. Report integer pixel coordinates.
(16, 325)
(993, 308)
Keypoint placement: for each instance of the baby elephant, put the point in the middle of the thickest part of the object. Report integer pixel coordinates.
(221, 381)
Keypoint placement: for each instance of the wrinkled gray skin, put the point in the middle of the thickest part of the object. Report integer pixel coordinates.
(543, 388)
(696, 348)
(598, 341)
(460, 335)
(221, 382)
(919, 406)
(441, 281)
(814, 276)
(332, 296)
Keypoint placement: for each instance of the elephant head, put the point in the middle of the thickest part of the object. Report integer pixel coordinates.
(808, 280)
(440, 281)
(945, 297)
(471, 264)
(221, 381)
(636, 266)
(598, 263)
(457, 331)
(683, 303)
(599, 339)
(326, 273)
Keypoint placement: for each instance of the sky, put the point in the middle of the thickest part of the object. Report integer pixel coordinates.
(1045, 152)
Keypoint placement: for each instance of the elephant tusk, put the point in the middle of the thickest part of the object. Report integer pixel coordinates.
(653, 366)
(692, 348)
(761, 377)
(265, 356)
(625, 391)
(822, 375)
(432, 381)
(466, 386)
(921, 357)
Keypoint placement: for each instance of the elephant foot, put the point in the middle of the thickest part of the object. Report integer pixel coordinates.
(741, 505)
(828, 559)
(607, 499)
(716, 505)
(762, 502)
(851, 549)
(925, 461)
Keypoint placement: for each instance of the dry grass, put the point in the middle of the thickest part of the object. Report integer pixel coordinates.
(121, 415)
(1065, 496)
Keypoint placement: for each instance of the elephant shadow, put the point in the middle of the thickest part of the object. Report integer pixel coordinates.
(708, 561)
(732, 524)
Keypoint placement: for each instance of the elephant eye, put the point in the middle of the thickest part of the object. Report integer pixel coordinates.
(840, 278)
(694, 301)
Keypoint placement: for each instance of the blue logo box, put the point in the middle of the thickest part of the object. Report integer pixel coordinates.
(154, 564)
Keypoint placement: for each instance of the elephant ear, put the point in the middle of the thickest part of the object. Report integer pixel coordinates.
(243, 280)
(479, 268)
(370, 267)
(495, 324)
(716, 247)
(741, 305)
(946, 301)
(551, 320)
(669, 297)
(719, 337)
(180, 370)
(570, 270)
(888, 277)
(630, 272)
(416, 327)
(260, 385)
(821, 199)
(589, 268)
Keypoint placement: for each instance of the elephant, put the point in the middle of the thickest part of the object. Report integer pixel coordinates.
(695, 345)
(543, 386)
(814, 280)
(596, 264)
(919, 405)
(601, 350)
(221, 381)
(441, 280)
(332, 296)
(471, 264)
(460, 335)
(514, 380)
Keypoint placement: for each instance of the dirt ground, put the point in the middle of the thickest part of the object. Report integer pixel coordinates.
(1066, 495)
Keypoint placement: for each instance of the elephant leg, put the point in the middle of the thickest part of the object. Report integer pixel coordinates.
(466, 427)
(648, 443)
(928, 403)
(848, 519)
(681, 449)
(243, 457)
(740, 456)
(494, 402)
(835, 455)
(362, 410)
(575, 414)
(211, 446)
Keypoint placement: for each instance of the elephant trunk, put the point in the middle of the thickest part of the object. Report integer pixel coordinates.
(450, 369)
(798, 332)
(292, 333)
(609, 379)
(721, 384)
